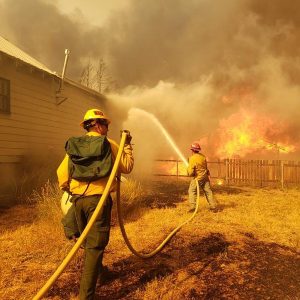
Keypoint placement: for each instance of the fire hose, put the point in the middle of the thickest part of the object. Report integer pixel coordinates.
(83, 235)
(164, 242)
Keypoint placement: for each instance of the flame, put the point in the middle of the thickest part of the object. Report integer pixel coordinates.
(170, 168)
(220, 181)
(246, 132)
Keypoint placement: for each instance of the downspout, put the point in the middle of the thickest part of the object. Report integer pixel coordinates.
(60, 98)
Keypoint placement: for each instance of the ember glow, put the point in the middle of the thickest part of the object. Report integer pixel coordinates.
(246, 132)
(220, 181)
(170, 167)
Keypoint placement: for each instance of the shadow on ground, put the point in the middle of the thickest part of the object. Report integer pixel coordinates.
(248, 269)
(229, 190)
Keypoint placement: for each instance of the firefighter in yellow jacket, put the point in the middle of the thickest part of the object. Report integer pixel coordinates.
(85, 197)
(197, 168)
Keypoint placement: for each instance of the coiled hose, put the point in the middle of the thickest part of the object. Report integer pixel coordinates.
(82, 237)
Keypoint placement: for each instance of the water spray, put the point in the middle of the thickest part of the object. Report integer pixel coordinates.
(162, 129)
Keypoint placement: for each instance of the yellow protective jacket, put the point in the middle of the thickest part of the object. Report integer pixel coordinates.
(97, 186)
(198, 166)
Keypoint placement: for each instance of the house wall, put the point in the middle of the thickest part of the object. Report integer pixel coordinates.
(36, 129)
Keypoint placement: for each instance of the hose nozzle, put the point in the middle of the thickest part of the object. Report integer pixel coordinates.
(128, 136)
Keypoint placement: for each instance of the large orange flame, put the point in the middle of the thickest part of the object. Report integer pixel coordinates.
(246, 132)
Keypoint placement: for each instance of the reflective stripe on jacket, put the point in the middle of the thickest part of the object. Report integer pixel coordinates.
(97, 186)
(198, 166)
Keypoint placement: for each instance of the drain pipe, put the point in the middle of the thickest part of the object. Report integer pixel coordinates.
(61, 84)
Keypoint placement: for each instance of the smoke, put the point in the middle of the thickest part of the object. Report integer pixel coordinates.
(171, 40)
(41, 30)
(194, 64)
(246, 49)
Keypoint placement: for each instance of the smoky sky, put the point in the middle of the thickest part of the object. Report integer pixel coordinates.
(173, 40)
(43, 32)
(247, 52)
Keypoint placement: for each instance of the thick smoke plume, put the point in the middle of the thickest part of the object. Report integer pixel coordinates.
(40, 29)
(197, 65)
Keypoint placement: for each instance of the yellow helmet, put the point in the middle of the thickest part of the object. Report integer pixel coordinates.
(92, 114)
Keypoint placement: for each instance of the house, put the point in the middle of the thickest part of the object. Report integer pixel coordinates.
(37, 115)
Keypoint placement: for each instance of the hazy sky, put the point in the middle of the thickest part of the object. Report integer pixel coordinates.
(95, 11)
(205, 65)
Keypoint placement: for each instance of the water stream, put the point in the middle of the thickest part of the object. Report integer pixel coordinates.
(162, 129)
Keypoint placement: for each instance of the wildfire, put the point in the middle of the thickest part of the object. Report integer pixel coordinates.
(246, 132)
(280, 147)
(170, 167)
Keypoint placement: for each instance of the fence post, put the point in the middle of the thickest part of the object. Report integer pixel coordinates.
(282, 174)
(260, 173)
(226, 171)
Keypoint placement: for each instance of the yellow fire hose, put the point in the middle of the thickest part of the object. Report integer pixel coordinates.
(82, 237)
(164, 242)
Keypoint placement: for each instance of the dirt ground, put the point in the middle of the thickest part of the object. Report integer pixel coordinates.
(213, 265)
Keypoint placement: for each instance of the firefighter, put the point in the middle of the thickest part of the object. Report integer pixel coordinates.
(86, 195)
(197, 168)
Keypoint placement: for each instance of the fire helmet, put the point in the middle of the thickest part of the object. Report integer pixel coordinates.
(195, 147)
(93, 114)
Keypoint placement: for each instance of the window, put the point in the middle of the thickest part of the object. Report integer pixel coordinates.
(4, 96)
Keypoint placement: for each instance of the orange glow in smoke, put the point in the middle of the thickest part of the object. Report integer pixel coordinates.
(170, 168)
(246, 132)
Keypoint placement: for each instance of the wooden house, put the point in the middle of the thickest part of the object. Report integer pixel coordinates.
(37, 114)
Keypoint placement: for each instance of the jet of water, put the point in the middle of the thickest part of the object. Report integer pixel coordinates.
(162, 129)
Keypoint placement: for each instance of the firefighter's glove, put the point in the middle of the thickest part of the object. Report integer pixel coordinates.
(128, 137)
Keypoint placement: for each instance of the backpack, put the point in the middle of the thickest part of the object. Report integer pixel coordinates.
(90, 157)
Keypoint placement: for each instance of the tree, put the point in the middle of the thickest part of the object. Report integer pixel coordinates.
(85, 78)
(96, 76)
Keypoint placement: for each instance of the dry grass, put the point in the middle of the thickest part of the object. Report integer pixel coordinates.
(249, 250)
(33, 171)
(132, 195)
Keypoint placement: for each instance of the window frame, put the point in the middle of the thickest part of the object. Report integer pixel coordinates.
(5, 97)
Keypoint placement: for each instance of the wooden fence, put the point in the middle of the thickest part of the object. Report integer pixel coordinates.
(240, 172)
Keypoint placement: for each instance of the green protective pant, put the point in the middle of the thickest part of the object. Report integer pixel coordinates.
(96, 240)
(70, 224)
(205, 186)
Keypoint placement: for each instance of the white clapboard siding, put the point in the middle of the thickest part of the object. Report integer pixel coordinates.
(11, 152)
(10, 159)
(36, 121)
(25, 138)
